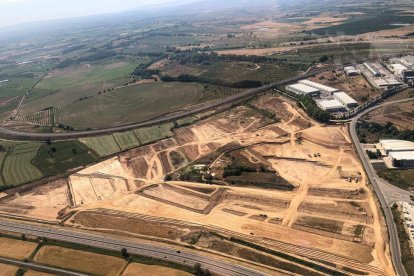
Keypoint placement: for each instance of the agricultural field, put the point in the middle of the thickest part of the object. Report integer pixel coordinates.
(130, 104)
(59, 157)
(65, 86)
(152, 134)
(18, 168)
(127, 140)
(16, 249)
(78, 260)
(102, 145)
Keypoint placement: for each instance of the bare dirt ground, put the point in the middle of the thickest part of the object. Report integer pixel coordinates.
(400, 115)
(127, 195)
(356, 87)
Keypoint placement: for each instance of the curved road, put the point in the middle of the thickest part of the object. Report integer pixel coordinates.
(215, 265)
(392, 229)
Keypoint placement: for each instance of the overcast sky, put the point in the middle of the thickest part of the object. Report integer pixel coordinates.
(21, 11)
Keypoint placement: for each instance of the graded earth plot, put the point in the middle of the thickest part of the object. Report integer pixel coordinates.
(327, 215)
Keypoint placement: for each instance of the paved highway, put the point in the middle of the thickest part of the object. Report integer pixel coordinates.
(392, 230)
(40, 268)
(215, 265)
(21, 135)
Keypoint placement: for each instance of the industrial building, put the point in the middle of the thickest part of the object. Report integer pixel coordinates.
(331, 105)
(302, 89)
(321, 87)
(402, 158)
(396, 146)
(351, 71)
(403, 69)
(374, 72)
(345, 99)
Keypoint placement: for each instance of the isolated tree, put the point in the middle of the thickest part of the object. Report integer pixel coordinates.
(23, 236)
(197, 269)
(124, 252)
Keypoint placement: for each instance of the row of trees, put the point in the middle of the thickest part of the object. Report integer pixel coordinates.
(190, 78)
(313, 109)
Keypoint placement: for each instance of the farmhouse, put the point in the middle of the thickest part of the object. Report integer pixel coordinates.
(331, 105)
(351, 71)
(302, 89)
(345, 99)
(321, 87)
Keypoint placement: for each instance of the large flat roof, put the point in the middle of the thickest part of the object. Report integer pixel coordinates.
(402, 155)
(330, 104)
(304, 88)
(345, 98)
(397, 145)
(319, 86)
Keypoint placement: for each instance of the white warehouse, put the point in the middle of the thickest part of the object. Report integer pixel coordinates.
(319, 86)
(396, 145)
(331, 105)
(345, 99)
(402, 158)
(302, 89)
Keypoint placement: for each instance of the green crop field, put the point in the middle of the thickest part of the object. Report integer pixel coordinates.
(130, 104)
(74, 83)
(102, 145)
(59, 157)
(17, 86)
(18, 168)
(127, 140)
(151, 134)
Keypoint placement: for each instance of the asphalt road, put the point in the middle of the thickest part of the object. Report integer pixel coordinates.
(392, 229)
(40, 268)
(6, 133)
(215, 265)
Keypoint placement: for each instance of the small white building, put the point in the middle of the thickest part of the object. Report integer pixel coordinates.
(302, 89)
(331, 105)
(345, 99)
(351, 71)
(321, 87)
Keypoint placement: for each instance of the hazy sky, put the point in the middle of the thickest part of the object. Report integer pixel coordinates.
(20, 11)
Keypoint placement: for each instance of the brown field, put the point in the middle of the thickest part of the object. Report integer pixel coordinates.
(44, 201)
(77, 260)
(8, 270)
(16, 249)
(356, 87)
(152, 270)
(127, 195)
(400, 115)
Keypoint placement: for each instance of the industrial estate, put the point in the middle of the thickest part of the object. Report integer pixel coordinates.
(210, 137)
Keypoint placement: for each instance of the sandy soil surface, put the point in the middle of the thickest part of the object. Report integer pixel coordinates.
(44, 201)
(128, 193)
(152, 270)
(37, 273)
